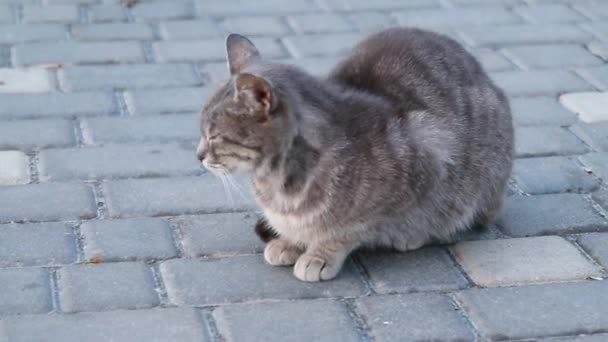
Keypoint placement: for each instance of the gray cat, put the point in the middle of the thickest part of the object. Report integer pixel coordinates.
(407, 141)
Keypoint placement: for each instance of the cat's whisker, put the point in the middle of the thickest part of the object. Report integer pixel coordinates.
(239, 190)
(226, 189)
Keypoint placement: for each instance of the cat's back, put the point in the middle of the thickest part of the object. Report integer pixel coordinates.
(410, 66)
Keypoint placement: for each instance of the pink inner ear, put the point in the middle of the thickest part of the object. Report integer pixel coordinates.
(263, 96)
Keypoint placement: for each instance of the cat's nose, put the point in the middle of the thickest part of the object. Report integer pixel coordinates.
(201, 150)
(200, 155)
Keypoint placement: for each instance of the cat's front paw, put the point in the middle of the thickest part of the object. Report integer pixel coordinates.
(311, 267)
(281, 253)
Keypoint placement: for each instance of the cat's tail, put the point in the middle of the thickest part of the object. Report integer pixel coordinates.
(264, 231)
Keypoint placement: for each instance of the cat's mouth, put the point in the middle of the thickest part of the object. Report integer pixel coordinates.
(216, 168)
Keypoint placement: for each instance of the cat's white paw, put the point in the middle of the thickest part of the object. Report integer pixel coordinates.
(281, 253)
(310, 267)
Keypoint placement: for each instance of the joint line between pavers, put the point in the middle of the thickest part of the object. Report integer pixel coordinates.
(54, 288)
(83, 16)
(458, 266)
(159, 285)
(598, 208)
(121, 103)
(77, 129)
(578, 10)
(33, 167)
(100, 200)
(128, 15)
(148, 52)
(574, 241)
(18, 13)
(211, 329)
(176, 237)
(78, 242)
(513, 59)
(363, 274)
(359, 322)
(590, 79)
(463, 313)
(204, 77)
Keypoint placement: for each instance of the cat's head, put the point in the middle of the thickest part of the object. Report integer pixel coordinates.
(245, 122)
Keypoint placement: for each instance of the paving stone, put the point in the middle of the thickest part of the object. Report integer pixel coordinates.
(493, 61)
(33, 80)
(545, 214)
(189, 29)
(10, 34)
(128, 76)
(171, 196)
(55, 13)
(371, 21)
(310, 320)
(526, 34)
(155, 325)
(36, 244)
(46, 202)
(215, 72)
(428, 269)
(546, 141)
(597, 76)
(593, 134)
(218, 234)
(22, 106)
(361, 5)
(551, 13)
(6, 14)
(319, 23)
(257, 281)
(316, 65)
(209, 50)
(551, 175)
(539, 82)
(157, 129)
(106, 286)
(414, 317)
(327, 44)
(29, 134)
(590, 107)
(24, 291)
(598, 49)
(539, 310)
(117, 161)
(260, 7)
(595, 244)
(552, 56)
(105, 13)
(508, 262)
(77, 53)
(113, 31)
(119, 240)
(256, 26)
(432, 18)
(168, 100)
(14, 168)
(538, 111)
(162, 10)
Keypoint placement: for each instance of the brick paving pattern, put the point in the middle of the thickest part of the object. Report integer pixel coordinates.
(110, 230)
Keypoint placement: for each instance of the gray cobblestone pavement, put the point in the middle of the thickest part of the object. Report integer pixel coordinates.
(110, 231)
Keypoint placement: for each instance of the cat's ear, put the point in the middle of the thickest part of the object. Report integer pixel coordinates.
(255, 93)
(240, 51)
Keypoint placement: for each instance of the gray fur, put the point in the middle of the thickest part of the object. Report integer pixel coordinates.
(406, 141)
